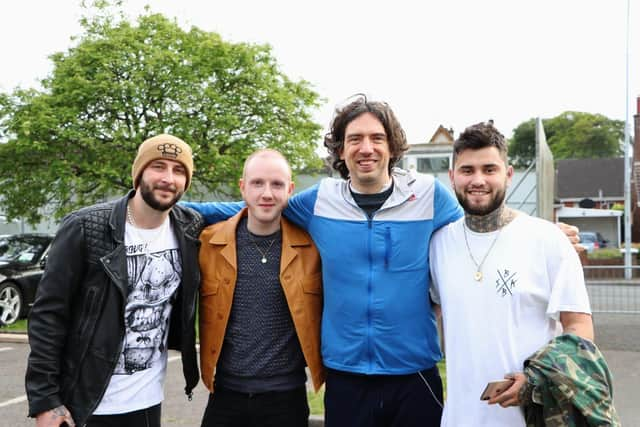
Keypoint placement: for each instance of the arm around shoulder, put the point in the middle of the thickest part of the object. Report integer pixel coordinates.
(446, 208)
(213, 212)
(571, 232)
(300, 207)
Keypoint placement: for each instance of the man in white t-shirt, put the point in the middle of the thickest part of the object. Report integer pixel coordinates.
(118, 291)
(507, 284)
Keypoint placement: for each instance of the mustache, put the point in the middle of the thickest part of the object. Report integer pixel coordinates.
(477, 187)
(171, 188)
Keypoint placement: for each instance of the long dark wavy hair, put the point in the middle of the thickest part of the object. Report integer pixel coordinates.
(334, 140)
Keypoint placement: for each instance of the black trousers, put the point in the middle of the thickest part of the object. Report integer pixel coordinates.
(353, 400)
(149, 417)
(227, 408)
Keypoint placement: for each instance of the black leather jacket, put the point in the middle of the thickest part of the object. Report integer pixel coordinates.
(76, 325)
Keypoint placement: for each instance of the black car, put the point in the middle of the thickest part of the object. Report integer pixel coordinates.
(22, 259)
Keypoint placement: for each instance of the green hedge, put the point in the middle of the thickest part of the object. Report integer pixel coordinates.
(605, 253)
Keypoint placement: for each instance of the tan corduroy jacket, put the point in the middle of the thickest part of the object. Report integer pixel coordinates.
(301, 279)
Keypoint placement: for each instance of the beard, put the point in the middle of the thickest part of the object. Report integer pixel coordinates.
(495, 203)
(146, 191)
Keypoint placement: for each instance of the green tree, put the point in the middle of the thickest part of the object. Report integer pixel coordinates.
(571, 135)
(72, 142)
(522, 145)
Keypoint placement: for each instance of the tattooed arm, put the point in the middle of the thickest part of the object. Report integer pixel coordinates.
(55, 417)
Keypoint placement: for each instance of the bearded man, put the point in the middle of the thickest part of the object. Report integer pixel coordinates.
(119, 290)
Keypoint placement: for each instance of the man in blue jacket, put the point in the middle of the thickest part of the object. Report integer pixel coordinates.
(372, 228)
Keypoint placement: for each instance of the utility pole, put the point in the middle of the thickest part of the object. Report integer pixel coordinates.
(627, 169)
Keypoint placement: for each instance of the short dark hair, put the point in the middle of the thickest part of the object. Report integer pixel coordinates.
(334, 140)
(480, 135)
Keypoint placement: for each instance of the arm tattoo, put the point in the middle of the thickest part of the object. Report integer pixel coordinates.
(60, 411)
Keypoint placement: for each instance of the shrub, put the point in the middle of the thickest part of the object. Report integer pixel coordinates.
(605, 253)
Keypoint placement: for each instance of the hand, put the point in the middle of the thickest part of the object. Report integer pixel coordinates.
(571, 232)
(510, 397)
(55, 417)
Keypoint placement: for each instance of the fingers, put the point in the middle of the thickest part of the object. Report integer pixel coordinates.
(570, 231)
(510, 397)
(69, 421)
(55, 417)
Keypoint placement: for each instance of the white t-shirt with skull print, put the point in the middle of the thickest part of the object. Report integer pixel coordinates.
(155, 271)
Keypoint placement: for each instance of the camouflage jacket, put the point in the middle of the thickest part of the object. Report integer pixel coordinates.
(568, 384)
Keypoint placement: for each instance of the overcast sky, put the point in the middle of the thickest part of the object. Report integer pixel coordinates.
(452, 62)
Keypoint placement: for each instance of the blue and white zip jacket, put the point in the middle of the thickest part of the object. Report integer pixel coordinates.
(377, 317)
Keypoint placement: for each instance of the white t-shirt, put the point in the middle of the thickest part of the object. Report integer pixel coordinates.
(491, 326)
(154, 276)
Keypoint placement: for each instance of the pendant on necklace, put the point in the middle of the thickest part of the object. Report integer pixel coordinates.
(263, 260)
(478, 276)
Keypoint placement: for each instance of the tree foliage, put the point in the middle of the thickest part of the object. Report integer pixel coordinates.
(571, 135)
(72, 142)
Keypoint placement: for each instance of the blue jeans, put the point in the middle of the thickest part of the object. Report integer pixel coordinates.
(228, 408)
(354, 400)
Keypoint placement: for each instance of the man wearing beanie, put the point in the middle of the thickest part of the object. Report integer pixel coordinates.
(119, 290)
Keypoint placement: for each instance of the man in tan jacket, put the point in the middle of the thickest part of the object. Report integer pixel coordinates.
(260, 306)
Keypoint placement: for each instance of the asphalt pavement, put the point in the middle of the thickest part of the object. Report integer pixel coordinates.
(617, 336)
(177, 410)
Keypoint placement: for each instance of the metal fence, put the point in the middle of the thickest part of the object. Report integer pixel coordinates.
(610, 292)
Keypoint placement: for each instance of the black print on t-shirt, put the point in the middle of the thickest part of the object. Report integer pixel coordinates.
(505, 282)
(153, 279)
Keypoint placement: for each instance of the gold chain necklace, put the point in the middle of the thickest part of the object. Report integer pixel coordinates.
(264, 254)
(130, 217)
(478, 274)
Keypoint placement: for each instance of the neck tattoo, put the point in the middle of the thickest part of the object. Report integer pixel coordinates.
(491, 221)
(265, 252)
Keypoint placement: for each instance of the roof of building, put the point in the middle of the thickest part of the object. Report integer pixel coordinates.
(590, 178)
(440, 143)
(442, 136)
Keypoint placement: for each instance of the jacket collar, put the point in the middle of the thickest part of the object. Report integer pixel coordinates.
(292, 237)
(402, 183)
(118, 217)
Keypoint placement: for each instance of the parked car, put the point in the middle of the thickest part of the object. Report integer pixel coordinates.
(592, 240)
(22, 259)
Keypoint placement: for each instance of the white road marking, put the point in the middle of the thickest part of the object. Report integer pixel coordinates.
(24, 397)
(13, 401)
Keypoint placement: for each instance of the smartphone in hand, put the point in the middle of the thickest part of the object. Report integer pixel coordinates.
(494, 388)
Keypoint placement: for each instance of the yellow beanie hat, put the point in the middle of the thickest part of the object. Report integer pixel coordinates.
(166, 147)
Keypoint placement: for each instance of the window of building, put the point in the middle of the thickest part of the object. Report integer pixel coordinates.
(433, 164)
